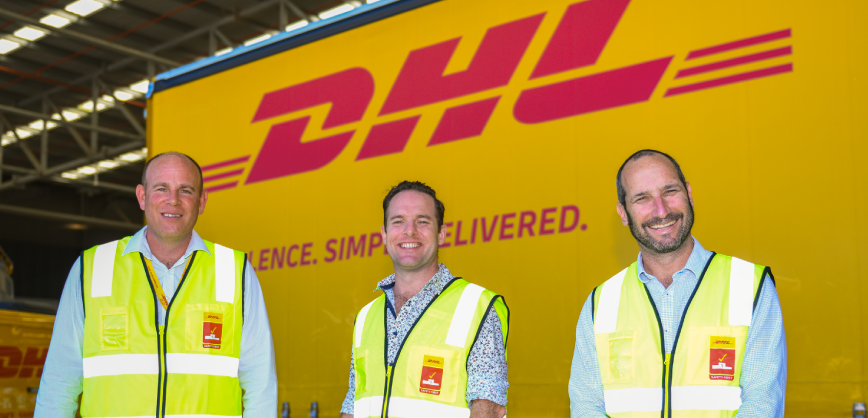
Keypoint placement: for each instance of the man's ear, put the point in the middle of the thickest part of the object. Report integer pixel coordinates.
(203, 199)
(140, 196)
(441, 236)
(622, 212)
(690, 194)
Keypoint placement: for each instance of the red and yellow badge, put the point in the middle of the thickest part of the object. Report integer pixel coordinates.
(722, 358)
(432, 375)
(212, 330)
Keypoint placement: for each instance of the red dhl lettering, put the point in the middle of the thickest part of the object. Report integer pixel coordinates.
(578, 41)
(26, 365)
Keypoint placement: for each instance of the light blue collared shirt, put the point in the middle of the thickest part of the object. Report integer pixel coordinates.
(764, 370)
(62, 376)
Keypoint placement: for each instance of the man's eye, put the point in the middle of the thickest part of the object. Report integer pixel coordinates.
(641, 198)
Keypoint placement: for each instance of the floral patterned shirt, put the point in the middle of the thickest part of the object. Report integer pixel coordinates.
(486, 367)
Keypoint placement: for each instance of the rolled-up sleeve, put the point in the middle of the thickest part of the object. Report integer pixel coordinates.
(487, 371)
(257, 374)
(586, 387)
(61, 381)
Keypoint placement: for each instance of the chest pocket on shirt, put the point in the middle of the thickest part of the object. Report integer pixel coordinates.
(209, 328)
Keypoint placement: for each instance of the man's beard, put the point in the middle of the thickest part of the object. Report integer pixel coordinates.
(667, 246)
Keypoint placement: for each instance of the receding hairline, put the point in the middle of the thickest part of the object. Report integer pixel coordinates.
(183, 156)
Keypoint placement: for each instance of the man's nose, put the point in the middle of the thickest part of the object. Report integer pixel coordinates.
(661, 209)
(410, 228)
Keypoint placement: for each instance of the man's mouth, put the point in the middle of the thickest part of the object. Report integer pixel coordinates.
(662, 226)
(662, 223)
(409, 245)
(171, 215)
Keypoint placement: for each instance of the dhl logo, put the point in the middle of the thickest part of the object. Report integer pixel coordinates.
(23, 365)
(578, 41)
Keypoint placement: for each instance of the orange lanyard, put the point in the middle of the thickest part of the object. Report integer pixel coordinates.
(158, 289)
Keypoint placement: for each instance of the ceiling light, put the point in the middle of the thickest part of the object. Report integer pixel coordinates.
(71, 115)
(24, 133)
(223, 51)
(140, 86)
(84, 7)
(87, 170)
(257, 39)
(6, 140)
(88, 106)
(336, 11)
(69, 175)
(109, 164)
(75, 226)
(124, 95)
(55, 21)
(37, 125)
(131, 157)
(297, 25)
(7, 46)
(107, 98)
(31, 34)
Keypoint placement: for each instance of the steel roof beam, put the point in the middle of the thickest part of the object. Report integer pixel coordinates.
(66, 217)
(92, 128)
(88, 39)
(202, 31)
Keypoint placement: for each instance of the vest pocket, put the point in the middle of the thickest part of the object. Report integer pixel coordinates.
(114, 329)
(361, 374)
(617, 351)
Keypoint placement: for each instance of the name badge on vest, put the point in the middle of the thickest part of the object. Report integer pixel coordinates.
(212, 330)
(722, 358)
(432, 375)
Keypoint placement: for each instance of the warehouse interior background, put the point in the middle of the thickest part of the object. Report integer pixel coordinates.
(73, 80)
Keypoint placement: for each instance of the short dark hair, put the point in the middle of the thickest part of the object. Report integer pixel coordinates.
(622, 194)
(179, 154)
(416, 186)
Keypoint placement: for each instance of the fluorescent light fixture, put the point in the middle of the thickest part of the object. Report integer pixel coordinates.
(70, 175)
(31, 34)
(257, 39)
(87, 170)
(140, 86)
(336, 11)
(55, 20)
(37, 125)
(109, 164)
(297, 25)
(24, 133)
(88, 106)
(84, 7)
(223, 51)
(132, 157)
(71, 115)
(6, 140)
(7, 46)
(124, 95)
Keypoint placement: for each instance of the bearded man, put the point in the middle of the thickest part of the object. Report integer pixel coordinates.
(683, 331)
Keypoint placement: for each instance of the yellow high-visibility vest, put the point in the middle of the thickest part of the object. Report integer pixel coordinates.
(429, 377)
(135, 367)
(700, 377)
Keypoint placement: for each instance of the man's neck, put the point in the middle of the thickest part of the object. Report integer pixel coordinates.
(409, 283)
(663, 266)
(168, 252)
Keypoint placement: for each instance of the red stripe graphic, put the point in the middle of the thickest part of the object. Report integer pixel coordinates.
(786, 68)
(223, 175)
(735, 61)
(224, 186)
(225, 163)
(786, 33)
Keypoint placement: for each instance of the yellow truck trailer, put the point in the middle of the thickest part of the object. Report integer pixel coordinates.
(519, 115)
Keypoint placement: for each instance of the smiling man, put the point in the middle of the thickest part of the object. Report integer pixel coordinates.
(682, 332)
(432, 345)
(163, 322)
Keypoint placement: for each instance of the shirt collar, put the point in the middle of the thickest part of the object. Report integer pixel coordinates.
(695, 264)
(438, 281)
(138, 243)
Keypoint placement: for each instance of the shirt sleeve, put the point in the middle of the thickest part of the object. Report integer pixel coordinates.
(764, 370)
(349, 401)
(487, 371)
(61, 381)
(586, 386)
(256, 369)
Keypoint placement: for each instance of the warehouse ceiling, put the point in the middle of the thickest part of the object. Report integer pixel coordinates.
(73, 74)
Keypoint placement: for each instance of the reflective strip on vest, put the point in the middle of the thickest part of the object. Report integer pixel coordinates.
(606, 318)
(224, 272)
(724, 398)
(368, 407)
(120, 364)
(635, 399)
(360, 322)
(460, 326)
(184, 416)
(202, 364)
(741, 278)
(103, 269)
(417, 408)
